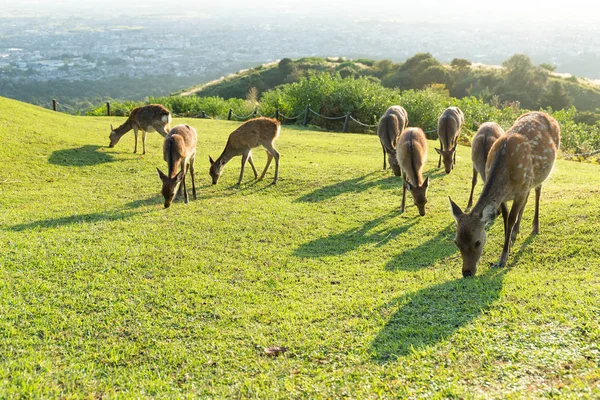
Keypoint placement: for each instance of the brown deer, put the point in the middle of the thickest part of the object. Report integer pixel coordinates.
(391, 124)
(153, 117)
(481, 144)
(517, 162)
(449, 126)
(411, 152)
(253, 133)
(179, 151)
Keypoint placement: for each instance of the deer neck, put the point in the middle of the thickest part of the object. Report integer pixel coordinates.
(123, 129)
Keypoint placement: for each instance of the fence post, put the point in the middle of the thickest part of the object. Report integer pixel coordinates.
(254, 112)
(108, 108)
(54, 104)
(346, 122)
(229, 114)
(305, 122)
(203, 114)
(277, 113)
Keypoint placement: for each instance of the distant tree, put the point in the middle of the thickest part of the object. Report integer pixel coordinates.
(383, 68)
(252, 96)
(460, 63)
(286, 66)
(346, 72)
(434, 74)
(523, 81)
(556, 97)
(548, 67)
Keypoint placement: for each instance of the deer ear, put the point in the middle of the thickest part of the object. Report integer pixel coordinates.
(211, 160)
(111, 128)
(489, 213)
(456, 211)
(179, 176)
(438, 151)
(161, 175)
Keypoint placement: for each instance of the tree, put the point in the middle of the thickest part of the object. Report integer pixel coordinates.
(286, 66)
(383, 68)
(460, 63)
(556, 97)
(434, 74)
(548, 67)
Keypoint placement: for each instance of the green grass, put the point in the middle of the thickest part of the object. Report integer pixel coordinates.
(105, 293)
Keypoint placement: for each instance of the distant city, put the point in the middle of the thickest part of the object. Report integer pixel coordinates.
(194, 50)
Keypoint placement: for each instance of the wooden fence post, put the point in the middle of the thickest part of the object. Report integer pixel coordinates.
(108, 108)
(229, 114)
(203, 114)
(277, 113)
(54, 104)
(346, 122)
(306, 115)
(254, 112)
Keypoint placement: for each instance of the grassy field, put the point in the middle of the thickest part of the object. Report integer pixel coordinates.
(103, 293)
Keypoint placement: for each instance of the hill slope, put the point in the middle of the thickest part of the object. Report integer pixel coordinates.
(105, 293)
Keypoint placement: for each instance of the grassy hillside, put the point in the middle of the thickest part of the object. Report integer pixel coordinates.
(103, 293)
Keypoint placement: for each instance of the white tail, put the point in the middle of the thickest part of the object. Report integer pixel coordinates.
(518, 161)
(179, 151)
(253, 133)
(153, 117)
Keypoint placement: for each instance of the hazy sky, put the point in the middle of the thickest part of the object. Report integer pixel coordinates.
(456, 10)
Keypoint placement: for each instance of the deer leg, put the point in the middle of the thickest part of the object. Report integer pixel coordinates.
(192, 175)
(185, 193)
(517, 226)
(384, 155)
(473, 183)
(536, 223)
(274, 154)
(269, 158)
(517, 206)
(440, 159)
(244, 159)
(403, 203)
(504, 211)
(135, 131)
(252, 165)
(144, 134)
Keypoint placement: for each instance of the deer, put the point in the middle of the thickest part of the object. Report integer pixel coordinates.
(411, 154)
(481, 144)
(179, 151)
(520, 160)
(391, 124)
(253, 133)
(150, 118)
(449, 126)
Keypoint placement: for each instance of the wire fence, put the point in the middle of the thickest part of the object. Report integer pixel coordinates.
(110, 109)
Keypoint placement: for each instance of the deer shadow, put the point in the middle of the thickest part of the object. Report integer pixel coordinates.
(75, 219)
(344, 242)
(84, 156)
(354, 185)
(433, 314)
(439, 247)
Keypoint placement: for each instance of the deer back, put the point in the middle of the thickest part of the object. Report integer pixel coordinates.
(179, 145)
(391, 125)
(411, 152)
(449, 125)
(482, 142)
(251, 134)
(150, 116)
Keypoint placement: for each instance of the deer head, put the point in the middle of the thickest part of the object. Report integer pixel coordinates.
(169, 186)
(419, 194)
(447, 158)
(216, 167)
(393, 161)
(114, 137)
(470, 234)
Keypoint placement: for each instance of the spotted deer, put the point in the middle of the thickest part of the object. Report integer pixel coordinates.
(449, 126)
(253, 133)
(481, 144)
(391, 124)
(153, 117)
(179, 151)
(411, 154)
(518, 161)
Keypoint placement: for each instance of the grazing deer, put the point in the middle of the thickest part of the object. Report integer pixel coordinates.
(449, 126)
(411, 152)
(391, 125)
(153, 117)
(253, 133)
(179, 151)
(480, 147)
(517, 162)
